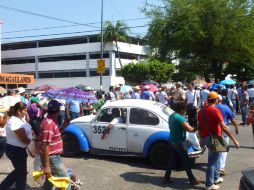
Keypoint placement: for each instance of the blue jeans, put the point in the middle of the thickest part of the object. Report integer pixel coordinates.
(176, 153)
(61, 119)
(57, 170)
(223, 155)
(212, 171)
(18, 158)
(244, 113)
(234, 106)
(74, 115)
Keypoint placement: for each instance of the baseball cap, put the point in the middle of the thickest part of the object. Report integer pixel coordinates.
(34, 100)
(213, 95)
(54, 105)
(21, 90)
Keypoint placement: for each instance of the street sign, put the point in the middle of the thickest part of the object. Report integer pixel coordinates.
(101, 66)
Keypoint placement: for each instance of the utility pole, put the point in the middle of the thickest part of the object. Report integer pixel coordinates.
(101, 41)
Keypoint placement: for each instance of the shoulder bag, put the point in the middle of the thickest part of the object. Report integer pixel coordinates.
(217, 143)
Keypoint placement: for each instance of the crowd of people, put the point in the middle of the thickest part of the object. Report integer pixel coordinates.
(35, 118)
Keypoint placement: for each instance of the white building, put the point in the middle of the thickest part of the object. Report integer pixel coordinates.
(66, 62)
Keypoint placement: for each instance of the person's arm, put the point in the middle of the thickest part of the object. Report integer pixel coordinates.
(188, 128)
(3, 121)
(45, 158)
(235, 125)
(67, 111)
(21, 133)
(226, 130)
(81, 110)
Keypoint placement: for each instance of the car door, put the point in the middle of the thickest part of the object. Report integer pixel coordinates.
(115, 140)
(142, 124)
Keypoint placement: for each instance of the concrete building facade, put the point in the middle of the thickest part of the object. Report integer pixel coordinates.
(71, 61)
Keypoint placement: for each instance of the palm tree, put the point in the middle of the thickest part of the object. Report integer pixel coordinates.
(115, 33)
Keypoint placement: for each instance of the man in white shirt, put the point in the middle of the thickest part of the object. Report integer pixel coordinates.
(162, 96)
(250, 91)
(204, 95)
(233, 96)
(192, 101)
(136, 93)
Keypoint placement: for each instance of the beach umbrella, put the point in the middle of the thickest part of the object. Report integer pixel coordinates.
(150, 82)
(227, 82)
(199, 82)
(153, 87)
(72, 93)
(125, 89)
(2, 90)
(43, 88)
(251, 82)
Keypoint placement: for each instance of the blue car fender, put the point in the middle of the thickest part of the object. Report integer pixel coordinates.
(80, 135)
(158, 136)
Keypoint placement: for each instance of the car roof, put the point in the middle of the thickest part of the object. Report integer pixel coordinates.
(139, 103)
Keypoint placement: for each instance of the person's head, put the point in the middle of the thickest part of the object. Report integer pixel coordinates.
(231, 86)
(11, 92)
(19, 109)
(244, 87)
(136, 88)
(111, 88)
(147, 88)
(54, 108)
(116, 112)
(34, 100)
(224, 92)
(213, 98)
(219, 99)
(179, 85)
(21, 91)
(98, 95)
(190, 87)
(179, 107)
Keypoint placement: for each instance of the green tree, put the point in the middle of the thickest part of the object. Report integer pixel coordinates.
(115, 33)
(136, 73)
(207, 33)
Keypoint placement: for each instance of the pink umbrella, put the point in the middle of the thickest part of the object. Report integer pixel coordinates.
(45, 88)
(152, 87)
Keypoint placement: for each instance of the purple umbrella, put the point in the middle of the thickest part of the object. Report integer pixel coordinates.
(71, 94)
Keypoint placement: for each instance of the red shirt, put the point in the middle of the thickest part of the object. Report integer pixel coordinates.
(49, 133)
(213, 118)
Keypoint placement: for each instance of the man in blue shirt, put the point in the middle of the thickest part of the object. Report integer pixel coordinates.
(228, 117)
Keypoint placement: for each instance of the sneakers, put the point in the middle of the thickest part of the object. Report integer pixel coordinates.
(213, 187)
(195, 182)
(222, 172)
(219, 180)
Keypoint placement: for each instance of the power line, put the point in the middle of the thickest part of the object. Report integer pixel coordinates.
(119, 12)
(45, 16)
(65, 26)
(57, 34)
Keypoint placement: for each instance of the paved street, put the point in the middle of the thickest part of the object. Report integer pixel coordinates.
(100, 172)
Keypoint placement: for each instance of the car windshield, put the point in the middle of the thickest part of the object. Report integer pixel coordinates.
(165, 109)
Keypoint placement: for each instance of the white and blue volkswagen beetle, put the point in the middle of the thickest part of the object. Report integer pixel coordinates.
(143, 132)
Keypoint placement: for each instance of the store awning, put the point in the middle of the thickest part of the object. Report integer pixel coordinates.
(7, 78)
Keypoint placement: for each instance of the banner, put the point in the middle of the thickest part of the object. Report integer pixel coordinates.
(7, 78)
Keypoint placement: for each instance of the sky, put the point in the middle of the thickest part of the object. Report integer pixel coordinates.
(60, 18)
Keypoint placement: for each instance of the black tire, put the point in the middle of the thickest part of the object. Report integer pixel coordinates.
(70, 145)
(159, 155)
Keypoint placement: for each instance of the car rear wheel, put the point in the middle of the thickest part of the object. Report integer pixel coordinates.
(70, 145)
(159, 155)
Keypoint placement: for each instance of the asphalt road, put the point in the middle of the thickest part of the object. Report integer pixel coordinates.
(128, 173)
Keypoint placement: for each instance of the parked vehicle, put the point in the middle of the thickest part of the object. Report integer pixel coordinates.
(143, 132)
(247, 180)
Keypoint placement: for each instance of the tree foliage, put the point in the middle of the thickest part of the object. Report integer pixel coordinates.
(206, 34)
(136, 73)
(115, 33)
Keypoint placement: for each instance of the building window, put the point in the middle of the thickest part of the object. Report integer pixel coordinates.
(61, 42)
(124, 55)
(94, 38)
(78, 74)
(14, 46)
(62, 58)
(46, 75)
(18, 61)
(97, 55)
(94, 73)
(61, 75)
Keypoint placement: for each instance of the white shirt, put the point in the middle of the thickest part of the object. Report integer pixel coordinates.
(135, 95)
(2, 130)
(251, 92)
(232, 94)
(204, 94)
(117, 120)
(162, 97)
(14, 124)
(190, 97)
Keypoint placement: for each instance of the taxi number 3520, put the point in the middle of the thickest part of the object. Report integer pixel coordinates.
(99, 129)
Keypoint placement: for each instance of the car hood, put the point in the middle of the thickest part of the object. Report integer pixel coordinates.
(83, 119)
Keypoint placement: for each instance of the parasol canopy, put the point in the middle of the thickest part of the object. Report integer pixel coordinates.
(2, 90)
(151, 82)
(125, 89)
(227, 82)
(70, 94)
(43, 88)
(153, 88)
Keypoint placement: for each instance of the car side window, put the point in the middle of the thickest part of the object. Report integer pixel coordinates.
(105, 116)
(143, 117)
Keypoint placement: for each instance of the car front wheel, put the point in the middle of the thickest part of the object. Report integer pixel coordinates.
(70, 145)
(159, 155)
